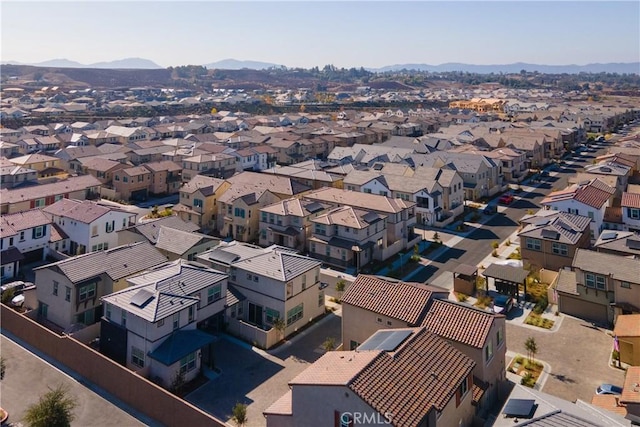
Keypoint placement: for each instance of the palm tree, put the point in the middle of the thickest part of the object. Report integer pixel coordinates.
(54, 409)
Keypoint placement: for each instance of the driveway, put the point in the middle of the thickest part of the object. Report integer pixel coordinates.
(28, 377)
(578, 354)
(258, 378)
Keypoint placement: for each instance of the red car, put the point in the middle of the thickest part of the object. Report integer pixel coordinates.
(505, 199)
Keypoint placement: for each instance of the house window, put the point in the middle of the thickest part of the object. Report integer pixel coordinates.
(500, 336)
(38, 232)
(271, 315)
(40, 203)
(633, 213)
(353, 345)
(488, 351)
(94, 231)
(191, 314)
(304, 282)
(389, 323)
(625, 285)
(137, 357)
(108, 310)
(295, 314)
(22, 236)
(572, 211)
(124, 318)
(595, 281)
(590, 215)
(320, 298)
(289, 289)
(197, 203)
(462, 391)
(55, 288)
(176, 321)
(87, 292)
(238, 212)
(67, 293)
(214, 293)
(379, 319)
(110, 226)
(559, 249)
(533, 244)
(188, 363)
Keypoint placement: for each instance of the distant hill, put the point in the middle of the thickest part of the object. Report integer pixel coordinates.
(614, 67)
(121, 64)
(234, 64)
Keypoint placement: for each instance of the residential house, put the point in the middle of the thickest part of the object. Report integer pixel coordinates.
(69, 291)
(175, 244)
(288, 223)
(397, 377)
(149, 230)
(372, 303)
(451, 182)
(90, 226)
(549, 239)
(239, 211)
(479, 335)
(600, 287)
(630, 205)
(101, 168)
(199, 201)
(125, 135)
(630, 396)
(24, 236)
(346, 237)
(132, 183)
(12, 175)
(166, 177)
(275, 283)
(38, 196)
(623, 243)
(400, 215)
(46, 166)
(310, 177)
(218, 165)
(627, 331)
(153, 326)
(586, 199)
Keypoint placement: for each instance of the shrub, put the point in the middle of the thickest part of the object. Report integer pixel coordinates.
(414, 258)
(461, 297)
(508, 242)
(541, 305)
(495, 245)
(494, 253)
(528, 380)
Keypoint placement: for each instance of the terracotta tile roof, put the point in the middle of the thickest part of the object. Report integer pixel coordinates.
(399, 300)
(631, 389)
(460, 323)
(595, 194)
(282, 406)
(627, 325)
(610, 403)
(421, 375)
(205, 184)
(478, 389)
(347, 216)
(68, 185)
(630, 200)
(137, 170)
(57, 233)
(335, 368)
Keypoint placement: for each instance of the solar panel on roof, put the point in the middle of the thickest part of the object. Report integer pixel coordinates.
(314, 207)
(541, 221)
(633, 244)
(608, 235)
(142, 298)
(387, 340)
(565, 226)
(370, 217)
(550, 234)
(521, 408)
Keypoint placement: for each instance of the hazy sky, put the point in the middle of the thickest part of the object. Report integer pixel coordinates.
(308, 33)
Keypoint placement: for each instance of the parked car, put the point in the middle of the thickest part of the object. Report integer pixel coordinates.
(490, 210)
(18, 287)
(608, 389)
(502, 304)
(506, 199)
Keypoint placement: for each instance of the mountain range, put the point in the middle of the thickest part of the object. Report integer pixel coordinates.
(234, 64)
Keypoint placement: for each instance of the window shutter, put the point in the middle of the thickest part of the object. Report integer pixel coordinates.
(336, 418)
(457, 397)
(44, 230)
(32, 204)
(33, 233)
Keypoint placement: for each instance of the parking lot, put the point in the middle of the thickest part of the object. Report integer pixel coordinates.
(259, 378)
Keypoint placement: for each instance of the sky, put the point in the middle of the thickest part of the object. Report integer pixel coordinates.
(309, 33)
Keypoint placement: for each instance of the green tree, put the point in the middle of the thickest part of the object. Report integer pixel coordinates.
(532, 348)
(54, 409)
(329, 344)
(340, 287)
(280, 325)
(8, 295)
(239, 414)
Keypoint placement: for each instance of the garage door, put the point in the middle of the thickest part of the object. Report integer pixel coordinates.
(584, 309)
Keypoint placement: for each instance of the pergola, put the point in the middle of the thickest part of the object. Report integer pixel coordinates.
(507, 279)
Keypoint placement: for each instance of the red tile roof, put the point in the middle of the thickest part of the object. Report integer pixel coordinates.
(631, 389)
(399, 300)
(457, 322)
(422, 375)
(630, 200)
(627, 325)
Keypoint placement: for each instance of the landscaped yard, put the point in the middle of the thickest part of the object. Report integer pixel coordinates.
(539, 321)
(526, 369)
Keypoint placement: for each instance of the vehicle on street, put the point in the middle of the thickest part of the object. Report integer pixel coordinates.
(502, 304)
(506, 199)
(490, 209)
(18, 287)
(608, 389)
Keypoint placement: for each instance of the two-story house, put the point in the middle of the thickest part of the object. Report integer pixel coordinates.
(218, 165)
(400, 377)
(148, 231)
(152, 326)
(586, 199)
(239, 210)
(91, 227)
(165, 177)
(630, 205)
(199, 201)
(400, 214)
(372, 303)
(133, 183)
(549, 239)
(288, 223)
(346, 237)
(69, 291)
(600, 287)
